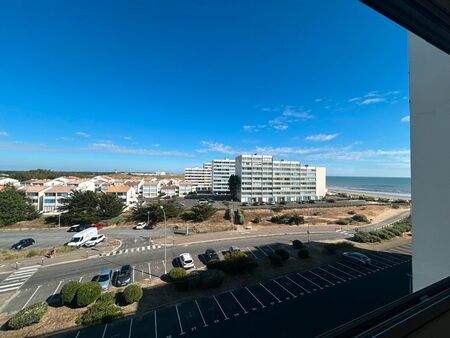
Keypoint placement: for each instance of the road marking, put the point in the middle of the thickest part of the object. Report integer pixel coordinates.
(138, 249)
(310, 281)
(156, 327)
(133, 274)
(10, 289)
(257, 247)
(245, 311)
(23, 307)
(104, 331)
(201, 314)
(132, 250)
(395, 262)
(279, 301)
(78, 333)
(377, 265)
(148, 247)
(297, 284)
(285, 289)
(126, 251)
(349, 267)
(131, 326)
(262, 305)
(252, 253)
(179, 321)
(149, 271)
(79, 281)
(268, 246)
(13, 284)
(332, 274)
(30, 267)
(15, 278)
(226, 318)
(333, 267)
(54, 292)
(326, 280)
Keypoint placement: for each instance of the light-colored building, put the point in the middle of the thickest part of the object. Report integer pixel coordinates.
(266, 180)
(312, 182)
(125, 192)
(35, 195)
(7, 180)
(82, 185)
(184, 188)
(136, 184)
(220, 174)
(53, 198)
(169, 190)
(150, 189)
(200, 177)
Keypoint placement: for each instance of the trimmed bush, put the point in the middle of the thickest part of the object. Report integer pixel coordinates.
(193, 280)
(239, 217)
(277, 209)
(234, 263)
(282, 253)
(68, 292)
(211, 278)
(276, 260)
(177, 275)
(107, 297)
(30, 315)
(88, 293)
(343, 221)
(303, 253)
(257, 219)
(297, 244)
(99, 313)
(292, 219)
(360, 218)
(132, 294)
(227, 215)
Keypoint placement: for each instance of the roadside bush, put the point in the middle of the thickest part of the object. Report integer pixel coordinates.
(292, 219)
(360, 218)
(234, 263)
(351, 212)
(239, 217)
(88, 293)
(303, 253)
(107, 297)
(132, 294)
(193, 280)
(396, 231)
(343, 221)
(101, 312)
(297, 244)
(395, 206)
(276, 260)
(68, 292)
(199, 213)
(227, 215)
(32, 253)
(211, 278)
(257, 219)
(284, 254)
(30, 315)
(277, 209)
(177, 275)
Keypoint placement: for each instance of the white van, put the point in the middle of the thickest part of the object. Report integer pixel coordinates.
(82, 237)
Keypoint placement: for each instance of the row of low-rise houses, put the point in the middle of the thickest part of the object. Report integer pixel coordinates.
(263, 179)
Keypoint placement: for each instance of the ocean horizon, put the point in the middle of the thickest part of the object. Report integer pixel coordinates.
(388, 185)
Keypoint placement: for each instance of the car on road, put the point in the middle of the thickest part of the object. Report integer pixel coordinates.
(140, 226)
(78, 227)
(104, 278)
(356, 257)
(211, 254)
(203, 202)
(233, 249)
(271, 203)
(23, 243)
(245, 204)
(93, 241)
(186, 261)
(124, 275)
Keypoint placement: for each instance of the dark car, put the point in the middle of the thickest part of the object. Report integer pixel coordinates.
(123, 276)
(211, 254)
(78, 227)
(23, 243)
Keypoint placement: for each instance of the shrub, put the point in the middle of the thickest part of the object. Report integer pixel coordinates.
(277, 209)
(132, 294)
(395, 206)
(360, 218)
(68, 292)
(227, 215)
(30, 315)
(234, 263)
(88, 293)
(276, 260)
(303, 253)
(199, 213)
(101, 312)
(284, 254)
(211, 278)
(343, 221)
(107, 297)
(193, 280)
(297, 244)
(257, 219)
(177, 274)
(351, 212)
(239, 217)
(288, 219)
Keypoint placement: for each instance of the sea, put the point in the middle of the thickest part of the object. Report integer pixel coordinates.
(400, 186)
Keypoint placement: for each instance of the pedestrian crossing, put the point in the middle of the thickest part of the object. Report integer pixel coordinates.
(345, 232)
(404, 249)
(133, 250)
(15, 280)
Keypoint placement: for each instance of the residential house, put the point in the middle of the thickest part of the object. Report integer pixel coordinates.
(125, 192)
(35, 194)
(53, 198)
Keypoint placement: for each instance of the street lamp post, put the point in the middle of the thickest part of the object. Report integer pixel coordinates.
(148, 217)
(165, 240)
(59, 220)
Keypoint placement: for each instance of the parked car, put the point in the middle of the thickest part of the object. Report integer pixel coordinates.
(73, 228)
(186, 261)
(271, 203)
(140, 226)
(311, 202)
(356, 257)
(211, 254)
(104, 278)
(23, 243)
(93, 241)
(210, 200)
(245, 204)
(234, 249)
(124, 275)
(203, 202)
(178, 203)
(78, 227)
(98, 226)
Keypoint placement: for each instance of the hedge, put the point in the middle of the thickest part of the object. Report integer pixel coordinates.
(291, 219)
(303, 253)
(384, 234)
(282, 253)
(343, 221)
(239, 217)
(30, 315)
(68, 292)
(297, 244)
(132, 294)
(257, 219)
(101, 312)
(234, 263)
(360, 218)
(177, 274)
(107, 297)
(88, 293)
(211, 278)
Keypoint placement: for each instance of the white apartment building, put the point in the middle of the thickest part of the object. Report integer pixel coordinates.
(150, 189)
(169, 190)
(35, 195)
(137, 185)
(125, 192)
(82, 185)
(53, 198)
(184, 188)
(266, 180)
(220, 173)
(312, 182)
(200, 177)
(7, 180)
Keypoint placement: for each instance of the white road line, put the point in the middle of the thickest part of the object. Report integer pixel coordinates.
(10, 289)
(279, 301)
(201, 314)
(377, 265)
(335, 268)
(153, 246)
(332, 274)
(179, 321)
(132, 250)
(285, 289)
(131, 326)
(78, 333)
(148, 247)
(257, 247)
(393, 260)
(262, 305)
(310, 281)
(252, 252)
(34, 267)
(54, 292)
(156, 326)
(133, 274)
(104, 331)
(326, 280)
(245, 311)
(401, 251)
(23, 273)
(8, 285)
(79, 281)
(349, 267)
(270, 248)
(138, 249)
(126, 251)
(380, 260)
(297, 284)
(226, 318)
(23, 307)
(14, 278)
(149, 271)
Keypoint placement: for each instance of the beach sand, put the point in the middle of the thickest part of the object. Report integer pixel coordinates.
(369, 194)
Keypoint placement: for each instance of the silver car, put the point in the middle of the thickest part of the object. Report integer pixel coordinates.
(356, 257)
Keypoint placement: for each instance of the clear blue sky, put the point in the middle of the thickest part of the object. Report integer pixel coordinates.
(160, 85)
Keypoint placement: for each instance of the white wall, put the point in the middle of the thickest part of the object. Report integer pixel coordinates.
(321, 181)
(429, 72)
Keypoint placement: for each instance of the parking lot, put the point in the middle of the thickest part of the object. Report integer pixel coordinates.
(193, 315)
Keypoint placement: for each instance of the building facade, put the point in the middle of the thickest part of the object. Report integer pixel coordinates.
(150, 189)
(53, 198)
(200, 177)
(125, 192)
(184, 188)
(35, 195)
(312, 183)
(220, 173)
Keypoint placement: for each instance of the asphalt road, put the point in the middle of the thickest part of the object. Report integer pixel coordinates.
(304, 303)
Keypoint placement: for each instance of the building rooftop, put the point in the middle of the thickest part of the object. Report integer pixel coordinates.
(31, 189)
(117, 188)
(59, 189)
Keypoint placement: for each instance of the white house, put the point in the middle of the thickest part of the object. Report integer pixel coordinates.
(137, 185)
(150, 189)
(7, 180)
(169, 190)
(53, 198)
(82, 185)
(184, 188)
(35, 195)
(125, 192)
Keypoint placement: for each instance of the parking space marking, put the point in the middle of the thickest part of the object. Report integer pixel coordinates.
(360, 273)
(273, 250)
(226, 318)
(133, 274)
(78, 333)
(381, 262)
(156, 327)
(80, 279)
(179, 321)
(294, 282)
(29, 299)
(245, 311)
(294, 296)
(332, 274)
(126, 251)
(131, 327)
(54, 292)
(252, 252)
(262, 305)
(377, 265)
(257, 247)
(310, 281)
(201, 314)
(104, 331)
(279, 301)
(392, 260)
(326, 280)
(149, 270)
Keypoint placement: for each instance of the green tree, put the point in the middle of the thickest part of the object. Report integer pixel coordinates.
(15, 207)
(199, 213)
(154, 213)
(109, 206)
(234, 184)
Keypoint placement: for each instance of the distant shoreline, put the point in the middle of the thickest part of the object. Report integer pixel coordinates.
(369, 193)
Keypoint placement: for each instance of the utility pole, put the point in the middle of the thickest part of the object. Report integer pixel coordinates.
(165, 240)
